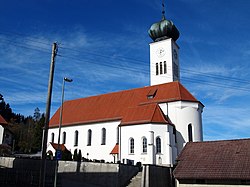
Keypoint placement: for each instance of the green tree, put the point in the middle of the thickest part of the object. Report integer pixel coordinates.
(5, 109)
(75, 155)
(79, 156)
(37, 114)
(66, 155)
(38, 134)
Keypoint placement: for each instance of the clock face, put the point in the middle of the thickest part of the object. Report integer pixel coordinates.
(175, 54)
(160, 52)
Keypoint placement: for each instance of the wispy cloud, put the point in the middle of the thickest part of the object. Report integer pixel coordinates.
(226, 122)
(80, 57)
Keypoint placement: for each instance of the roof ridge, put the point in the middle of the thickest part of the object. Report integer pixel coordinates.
(112, 105)
(119, 91)
(153, 113)
(108, 93)
(234, 140)
(158, 108)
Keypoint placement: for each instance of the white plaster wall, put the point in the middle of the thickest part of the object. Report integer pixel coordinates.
(1, 134)
(96, 150)
(143, 130)
(168, 45)
(181, 114)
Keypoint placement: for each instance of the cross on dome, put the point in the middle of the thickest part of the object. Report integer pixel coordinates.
(163, 29)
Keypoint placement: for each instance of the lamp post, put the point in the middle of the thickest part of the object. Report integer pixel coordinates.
(65, 79)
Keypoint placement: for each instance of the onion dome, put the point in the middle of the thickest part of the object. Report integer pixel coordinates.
(163, 29)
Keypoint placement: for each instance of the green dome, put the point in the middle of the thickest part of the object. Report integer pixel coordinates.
(163, 29)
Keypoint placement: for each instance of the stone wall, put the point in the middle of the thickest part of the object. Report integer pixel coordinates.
(70, 173)
(160, 176)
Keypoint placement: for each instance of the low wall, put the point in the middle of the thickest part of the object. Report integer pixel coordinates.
(70, 173)
(100, 174)
(160, 176)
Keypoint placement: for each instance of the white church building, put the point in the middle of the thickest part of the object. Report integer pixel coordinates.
(150, 125)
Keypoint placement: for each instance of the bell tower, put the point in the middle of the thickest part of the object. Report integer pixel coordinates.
(164, 52)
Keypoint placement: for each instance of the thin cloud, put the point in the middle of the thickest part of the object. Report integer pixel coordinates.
(217, 121)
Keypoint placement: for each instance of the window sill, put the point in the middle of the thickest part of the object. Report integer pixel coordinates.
(159, 154)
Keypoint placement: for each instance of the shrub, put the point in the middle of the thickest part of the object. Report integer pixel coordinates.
(5, 150)
(66, 155)
(75, 155)
(79, 156)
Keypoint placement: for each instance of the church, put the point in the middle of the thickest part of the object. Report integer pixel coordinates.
(150, 125)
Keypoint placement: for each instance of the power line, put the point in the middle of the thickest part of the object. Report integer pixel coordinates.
(21, 45)
(215, 84)
(121, 66)
(183, 70)
(25, 37)
(138, 70)
(105, 56)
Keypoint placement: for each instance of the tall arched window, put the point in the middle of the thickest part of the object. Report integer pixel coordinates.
(158, 145)
(160, 67)
(165, 67)
(52, 137)
(76, 138)
(144, 145)
(64, 137)
(190, 133)
(89, 137)
(103, 136)
(131, 146)
(157, 69)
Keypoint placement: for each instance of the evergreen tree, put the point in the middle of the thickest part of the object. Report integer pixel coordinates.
(75, 155)
(79, 156)
(66, 155)
(5, 109)
(37, 114)
(38, 134)
(27, 130)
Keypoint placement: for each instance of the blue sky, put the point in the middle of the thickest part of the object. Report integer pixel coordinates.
(104, 48)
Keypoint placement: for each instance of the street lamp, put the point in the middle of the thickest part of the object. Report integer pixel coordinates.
(65, 79)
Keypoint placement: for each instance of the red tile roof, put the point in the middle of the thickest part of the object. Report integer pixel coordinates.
(150, 113)
(223, 160)
(2, 121)
(61, 146)
(120, 105)
(115, 150)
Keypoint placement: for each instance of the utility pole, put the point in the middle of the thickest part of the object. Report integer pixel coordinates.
(47, 116)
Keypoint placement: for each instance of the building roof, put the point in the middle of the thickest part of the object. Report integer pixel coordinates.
(2, 121)
(129, 106)
(61, 146)
(215, 160)
(150, 113)
(115, 150)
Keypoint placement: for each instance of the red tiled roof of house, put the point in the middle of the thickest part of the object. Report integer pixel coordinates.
(150, 113)
(61, 146)
(2, 121)
(115, 150)
(223, 160)
(117, 105)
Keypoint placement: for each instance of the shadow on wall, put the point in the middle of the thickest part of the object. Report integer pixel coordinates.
(25, 172)
(180, 142)
(96, 174)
